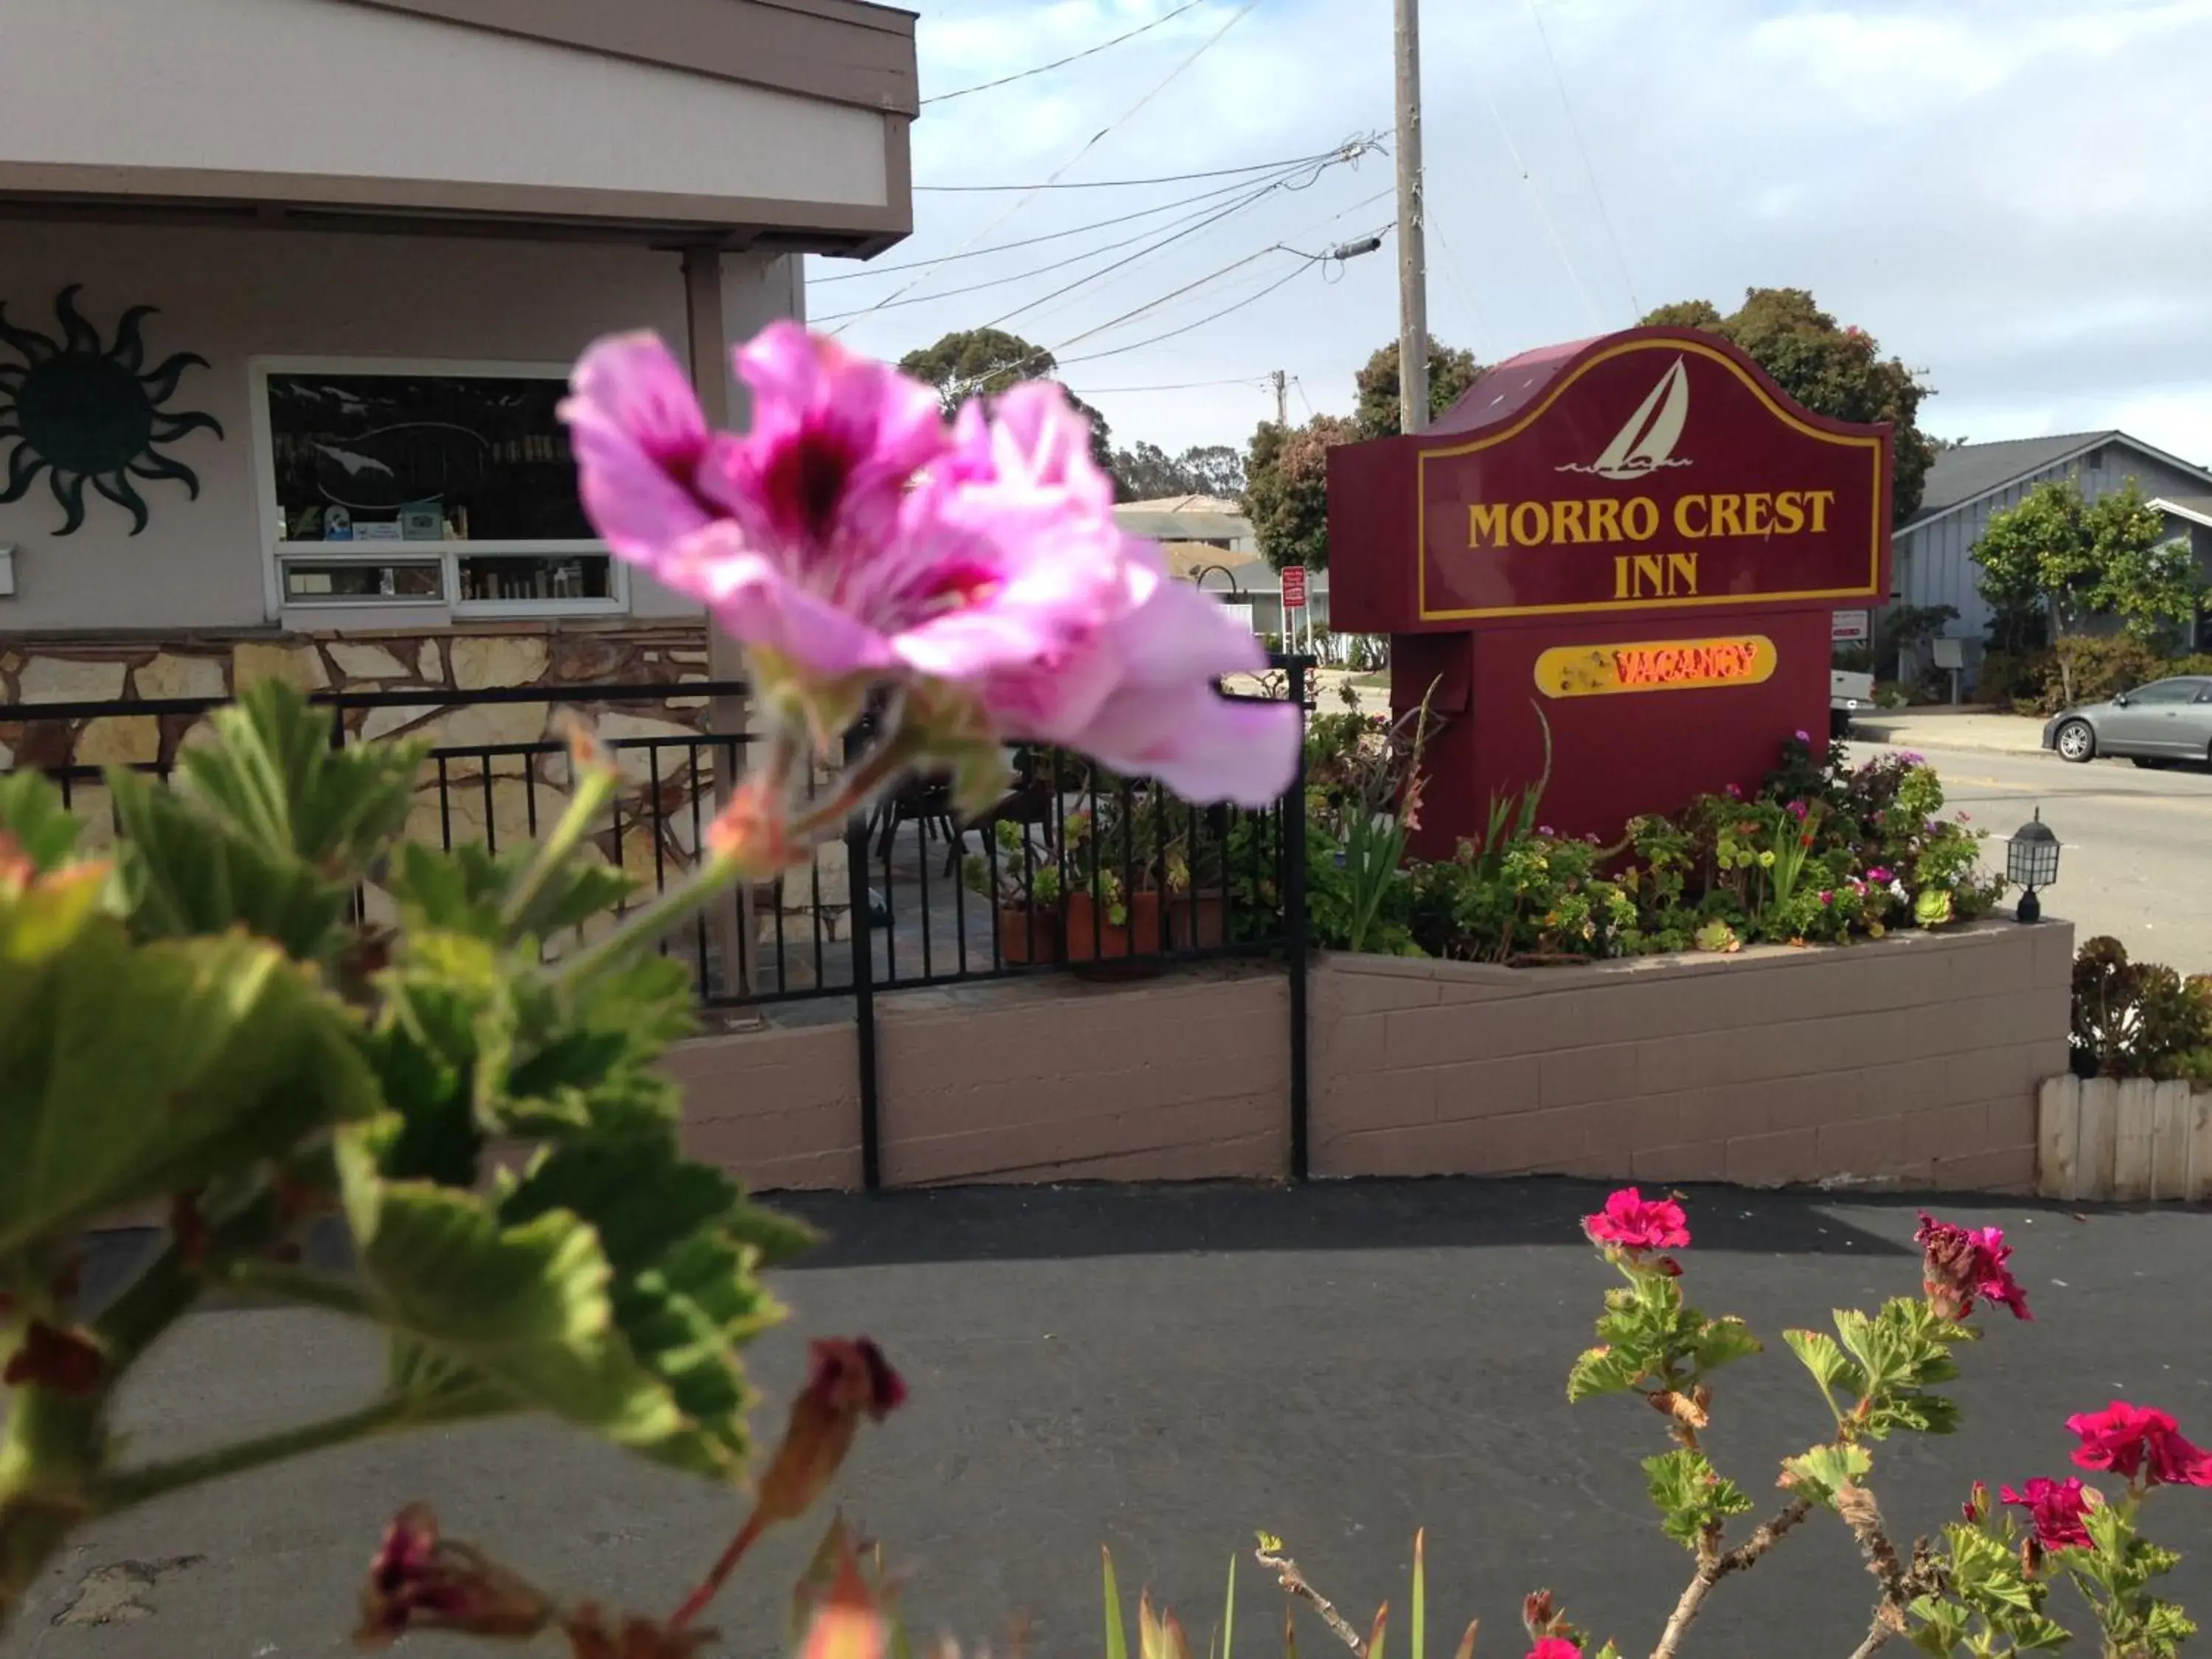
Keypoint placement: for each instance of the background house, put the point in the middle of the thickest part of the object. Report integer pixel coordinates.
(1210, 541)
(1968, 484)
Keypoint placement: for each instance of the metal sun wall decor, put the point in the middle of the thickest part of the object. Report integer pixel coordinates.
(86, 412)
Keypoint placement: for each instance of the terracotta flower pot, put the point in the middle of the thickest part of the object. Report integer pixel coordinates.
(1028, 934)
(1091, 938)
(1200, 923)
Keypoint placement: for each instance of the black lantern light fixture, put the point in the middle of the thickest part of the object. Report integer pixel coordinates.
(2031, 861)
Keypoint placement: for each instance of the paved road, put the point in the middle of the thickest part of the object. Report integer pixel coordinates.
(1164, 1370)
(2136, 859)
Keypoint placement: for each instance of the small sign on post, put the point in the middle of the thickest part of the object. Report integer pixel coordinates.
(1851, 627)
(1294, 587)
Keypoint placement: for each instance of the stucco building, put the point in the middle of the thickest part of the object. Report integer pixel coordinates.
(289, 288)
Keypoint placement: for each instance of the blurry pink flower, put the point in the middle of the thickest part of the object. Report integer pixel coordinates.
(851, 535)
(1555, 1647)
(1828, 897)
(2132, 1440)
(1735, 791)
(1635, 1222)
(810, 537)
(2056, 1507)
(1961, 1264)
(1880, 876)
(1804, 736)
(1797, 810)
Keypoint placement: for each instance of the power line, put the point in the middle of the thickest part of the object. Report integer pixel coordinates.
(1245, 195)
(1055, 182)
(1073, 58)
(1128, 114)
(1537, 196)
(1257, 381)
(1212, 317)
(1204, 218)
(1589, 172)
(1217, 192)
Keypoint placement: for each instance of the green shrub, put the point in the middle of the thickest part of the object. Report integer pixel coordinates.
(2008, 677)
(2139, 1020)
(2102, 667)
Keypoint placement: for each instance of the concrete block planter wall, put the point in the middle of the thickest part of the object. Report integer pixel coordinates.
(1909, 1062)
(2130, 1139)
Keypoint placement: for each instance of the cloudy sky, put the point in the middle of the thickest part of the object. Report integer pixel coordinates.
(2014, 196)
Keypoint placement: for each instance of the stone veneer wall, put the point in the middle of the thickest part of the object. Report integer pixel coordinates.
(567, 660)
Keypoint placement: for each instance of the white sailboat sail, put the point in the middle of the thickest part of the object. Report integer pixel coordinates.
(1647, 442)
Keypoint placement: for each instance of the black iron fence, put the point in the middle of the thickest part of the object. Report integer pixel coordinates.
(1074, 869)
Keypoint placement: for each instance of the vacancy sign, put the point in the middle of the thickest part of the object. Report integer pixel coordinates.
(1294, 587)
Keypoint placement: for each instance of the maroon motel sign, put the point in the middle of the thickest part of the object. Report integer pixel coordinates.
(1629, 549)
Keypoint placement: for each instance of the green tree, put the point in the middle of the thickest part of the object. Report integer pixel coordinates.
(1147, 472)
(1832, 369)
(1452, 371)
(1287, 489)
(2072, 558)
(982, 363)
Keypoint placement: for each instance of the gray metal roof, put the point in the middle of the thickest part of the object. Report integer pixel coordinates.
(1973, 469)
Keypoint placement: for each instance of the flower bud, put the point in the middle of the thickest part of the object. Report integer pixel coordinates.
(847, 1380)
(419, 1581)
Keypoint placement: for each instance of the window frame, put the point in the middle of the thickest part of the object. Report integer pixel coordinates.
(275, 550)
(2190, 688)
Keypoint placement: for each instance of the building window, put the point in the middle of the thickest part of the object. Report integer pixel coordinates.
(390, 484)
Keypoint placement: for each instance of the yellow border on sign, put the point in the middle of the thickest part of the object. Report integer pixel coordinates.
(1593, 671)
(1421, 498)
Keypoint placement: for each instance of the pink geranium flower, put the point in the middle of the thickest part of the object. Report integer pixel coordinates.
(2134, 1441)
(1555, 1647)
(2056, 1507)
(1636, 1224)
(850, 537)
(1961, 1265)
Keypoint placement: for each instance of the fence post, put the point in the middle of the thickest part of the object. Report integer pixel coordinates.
(864, 981)
(1294, 922)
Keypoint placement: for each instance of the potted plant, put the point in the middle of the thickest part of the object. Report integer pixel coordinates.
(1023, 885)
(1112, 910)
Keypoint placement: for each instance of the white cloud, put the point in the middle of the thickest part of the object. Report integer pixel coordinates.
(2014, 195)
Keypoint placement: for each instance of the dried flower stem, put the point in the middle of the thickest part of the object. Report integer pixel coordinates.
(1764, 1537)
(1287, 1574)
(1899, 1583)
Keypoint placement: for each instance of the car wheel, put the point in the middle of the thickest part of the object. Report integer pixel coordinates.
(2076, 742)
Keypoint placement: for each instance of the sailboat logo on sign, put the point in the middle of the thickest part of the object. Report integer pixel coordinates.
(1647, 442)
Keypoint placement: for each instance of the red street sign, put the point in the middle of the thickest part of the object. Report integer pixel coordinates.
(1294, 587)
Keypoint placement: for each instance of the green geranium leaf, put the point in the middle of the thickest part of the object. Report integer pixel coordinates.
(1823, 1356)
(273, 779)
(187, 875)
(526, 1312)
(1819, 1472)
(1603, 1370)
(1691, 1497)
(130, 1072)
(1722, 1342)
(31, 816)
(1923, 1413)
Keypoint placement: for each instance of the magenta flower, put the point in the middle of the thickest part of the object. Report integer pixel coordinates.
(2132, 1440)
(1634, 1223)
(850, 537)
(1880, 876)
(1735, 791)
(1804, 737)
(2057, 1508)
(1555, 1647)
(1798, 810)
(1961, 1265)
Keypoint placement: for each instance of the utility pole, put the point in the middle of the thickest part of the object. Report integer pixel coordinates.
(1282, 400)
(1412, 274)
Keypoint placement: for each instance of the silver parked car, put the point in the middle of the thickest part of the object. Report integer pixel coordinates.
(2154, 725)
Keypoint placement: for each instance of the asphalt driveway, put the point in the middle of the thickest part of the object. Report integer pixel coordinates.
(1165, 1371)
